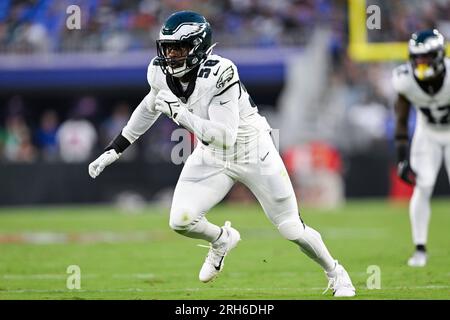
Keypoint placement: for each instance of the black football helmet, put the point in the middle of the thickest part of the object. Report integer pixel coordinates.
(186, 31)
(427, 53)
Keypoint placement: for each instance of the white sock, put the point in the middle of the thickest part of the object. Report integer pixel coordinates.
(419, 214)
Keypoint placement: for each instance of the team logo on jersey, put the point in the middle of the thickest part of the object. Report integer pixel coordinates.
(225, 77)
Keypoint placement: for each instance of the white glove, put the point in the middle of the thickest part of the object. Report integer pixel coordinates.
(169, 104)
(96, 167)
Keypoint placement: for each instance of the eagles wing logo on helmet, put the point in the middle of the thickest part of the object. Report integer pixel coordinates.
(198, 28)
(225, 77)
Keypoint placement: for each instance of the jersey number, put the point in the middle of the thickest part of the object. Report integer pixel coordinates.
(211, 63)
(439, 116)
(204, 73)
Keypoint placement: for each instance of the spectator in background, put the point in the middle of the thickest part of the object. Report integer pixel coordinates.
(77, 136)
(18, 145)
(2, 141)
(46, 135)
(113, 125)
(17, 142)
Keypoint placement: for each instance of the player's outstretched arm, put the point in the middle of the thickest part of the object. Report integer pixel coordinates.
(404, 171)
(140, 121)
(219, 130)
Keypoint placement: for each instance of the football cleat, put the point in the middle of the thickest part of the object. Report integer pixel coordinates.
(339, 281)
(418, 259)
(218, 250)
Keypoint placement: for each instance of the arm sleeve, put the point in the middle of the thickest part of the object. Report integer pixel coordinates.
(142, 118)
(222, 127)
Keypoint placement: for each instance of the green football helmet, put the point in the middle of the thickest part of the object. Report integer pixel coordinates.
(190, 35)
(427, 53)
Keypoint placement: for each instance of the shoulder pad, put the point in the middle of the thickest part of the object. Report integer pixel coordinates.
(152, 71)
(447, 63)
(224, 72)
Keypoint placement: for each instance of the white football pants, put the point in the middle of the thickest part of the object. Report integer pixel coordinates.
(206, 179)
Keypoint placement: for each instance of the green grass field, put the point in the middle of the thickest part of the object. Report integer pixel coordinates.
(123, 256)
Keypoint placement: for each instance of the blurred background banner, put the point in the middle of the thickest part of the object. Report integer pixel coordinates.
(314, 68)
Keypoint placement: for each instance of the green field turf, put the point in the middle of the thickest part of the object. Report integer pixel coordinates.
(137, 256)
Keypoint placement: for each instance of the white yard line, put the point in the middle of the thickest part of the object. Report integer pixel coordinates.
(34, 276)
(41, 238)
(134, 276)
(319, 289)
(78, 237)
(84, 276)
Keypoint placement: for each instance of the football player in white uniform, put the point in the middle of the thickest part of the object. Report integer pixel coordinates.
(424, 83)
(202, 92)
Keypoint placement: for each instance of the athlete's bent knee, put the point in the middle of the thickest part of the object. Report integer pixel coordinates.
(181, 220)
(291, 229)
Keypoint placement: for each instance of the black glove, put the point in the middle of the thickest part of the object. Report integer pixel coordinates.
(405, 172)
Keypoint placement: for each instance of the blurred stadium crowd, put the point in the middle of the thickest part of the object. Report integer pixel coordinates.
(75, 134)
(30, 26)
(116, 25)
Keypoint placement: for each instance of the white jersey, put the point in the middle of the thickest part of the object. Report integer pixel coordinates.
(215, 76)
(219, 108)
(433, 110)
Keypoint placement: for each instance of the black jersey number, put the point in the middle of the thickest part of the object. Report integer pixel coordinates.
(440, 116)
(211, 63)
(204, 73)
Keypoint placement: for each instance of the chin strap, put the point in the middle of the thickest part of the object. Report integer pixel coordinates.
(181, 73)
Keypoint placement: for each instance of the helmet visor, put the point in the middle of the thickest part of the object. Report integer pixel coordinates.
(424, 59)
(424, 64)
(173, 52)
